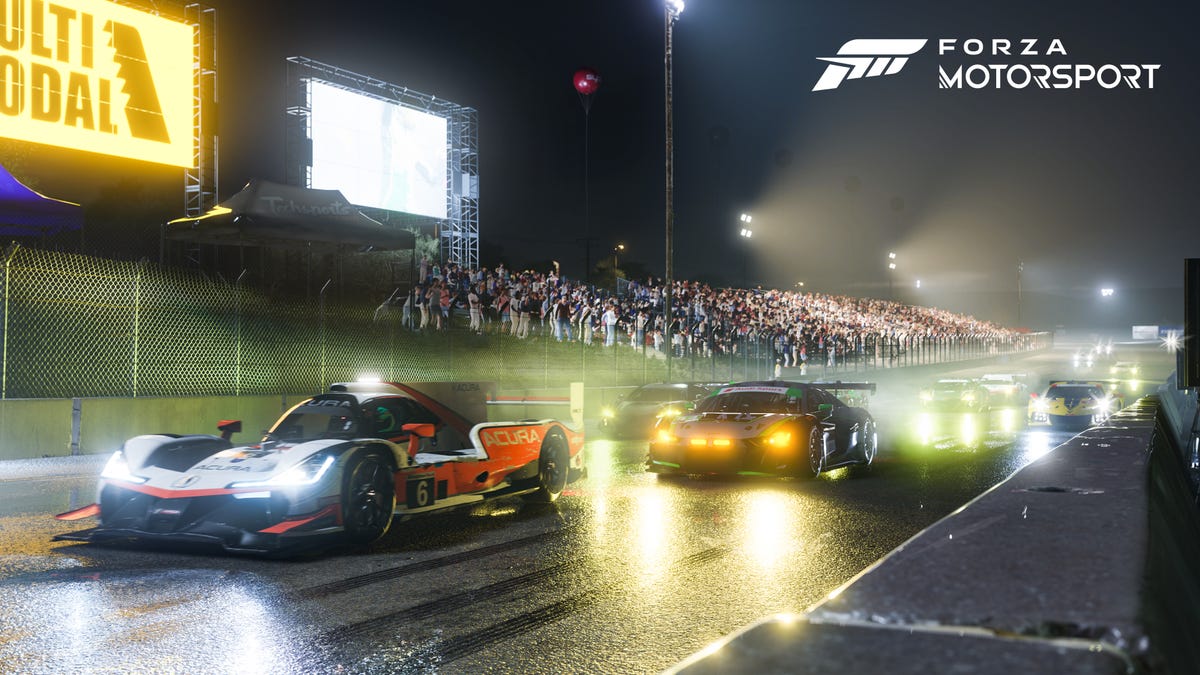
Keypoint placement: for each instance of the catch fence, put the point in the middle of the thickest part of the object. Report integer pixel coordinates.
(78, 326)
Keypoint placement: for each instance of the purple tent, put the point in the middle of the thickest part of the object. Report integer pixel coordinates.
(25, 213)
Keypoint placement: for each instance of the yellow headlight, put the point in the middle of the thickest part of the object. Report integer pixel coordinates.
(669, 412)
(780, 439)
(665, 436)
(607, 411)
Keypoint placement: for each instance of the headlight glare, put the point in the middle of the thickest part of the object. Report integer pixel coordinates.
(308, 472)
(117, 468)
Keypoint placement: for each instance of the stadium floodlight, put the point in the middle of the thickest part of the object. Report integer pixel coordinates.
(1106, 292)
(745, 218)
(747, 232)
(675, 7)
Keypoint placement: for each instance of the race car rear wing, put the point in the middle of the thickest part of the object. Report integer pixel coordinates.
(1097, 383)
(838, 385)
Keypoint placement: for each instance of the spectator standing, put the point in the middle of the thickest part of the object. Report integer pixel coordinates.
(475, 307)
(610, 325)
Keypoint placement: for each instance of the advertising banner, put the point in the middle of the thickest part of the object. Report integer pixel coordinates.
(96, 76)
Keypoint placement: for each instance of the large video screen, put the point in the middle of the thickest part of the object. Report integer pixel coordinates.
(379, 154)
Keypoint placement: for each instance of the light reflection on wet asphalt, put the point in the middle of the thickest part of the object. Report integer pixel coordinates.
(628, 572)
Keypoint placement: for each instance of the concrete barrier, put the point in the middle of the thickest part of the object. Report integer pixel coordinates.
(1085, 561)
(31, 428)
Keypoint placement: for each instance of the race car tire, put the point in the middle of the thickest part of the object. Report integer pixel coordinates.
(553, 463)
(816, 451)
(368, 497)
(869, 442)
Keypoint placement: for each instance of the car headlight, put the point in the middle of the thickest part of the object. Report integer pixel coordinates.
(308, 472)
(926, 396)
(968, 398)
(607, 411)
(665, 436)
(670, 411)
(117, 468)
(780, 439)
(1041, 405)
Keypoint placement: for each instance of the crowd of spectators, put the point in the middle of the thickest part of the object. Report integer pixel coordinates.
(704, 321)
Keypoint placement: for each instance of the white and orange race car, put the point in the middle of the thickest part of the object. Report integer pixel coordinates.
(337, 468)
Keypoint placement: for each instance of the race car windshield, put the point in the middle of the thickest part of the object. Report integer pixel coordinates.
(310, 423)
(1074, 392)
(751, 402)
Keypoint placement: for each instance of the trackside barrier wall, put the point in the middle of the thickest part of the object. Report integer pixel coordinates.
(32, 428)
(1087, 560)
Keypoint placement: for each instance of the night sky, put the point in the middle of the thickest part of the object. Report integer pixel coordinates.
(1087, 187)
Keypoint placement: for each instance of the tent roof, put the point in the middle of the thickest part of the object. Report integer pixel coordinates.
(25, 212)
(271, 214)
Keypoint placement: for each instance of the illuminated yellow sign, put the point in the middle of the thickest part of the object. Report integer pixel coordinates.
(97, 76)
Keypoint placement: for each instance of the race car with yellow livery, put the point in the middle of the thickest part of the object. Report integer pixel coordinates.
(1075, 403)
(336, 469)
(770, 428)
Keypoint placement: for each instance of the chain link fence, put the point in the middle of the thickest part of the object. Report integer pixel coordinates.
(78, 326)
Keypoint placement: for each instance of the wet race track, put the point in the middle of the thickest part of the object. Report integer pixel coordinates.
(627, 572)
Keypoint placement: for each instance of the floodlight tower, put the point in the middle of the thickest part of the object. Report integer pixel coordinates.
(891, 275)
(746, 233)
(673, 9)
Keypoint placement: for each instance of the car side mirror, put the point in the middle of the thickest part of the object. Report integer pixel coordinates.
(420, 430)
(825, 408)
(228, 428)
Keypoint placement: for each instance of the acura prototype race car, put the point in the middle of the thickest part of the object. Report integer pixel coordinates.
(337, 468)
(767, 428)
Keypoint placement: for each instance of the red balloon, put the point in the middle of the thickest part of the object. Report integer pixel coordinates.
(587, 81)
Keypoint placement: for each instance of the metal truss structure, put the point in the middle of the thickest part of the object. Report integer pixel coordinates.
(200, 179)
(458, 233)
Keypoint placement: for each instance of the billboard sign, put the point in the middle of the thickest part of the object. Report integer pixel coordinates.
(380, 154)
(97, 76)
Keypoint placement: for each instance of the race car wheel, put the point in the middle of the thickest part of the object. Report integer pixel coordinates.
(368, 497)
(816, 451)
(553, 465)
(869, 442)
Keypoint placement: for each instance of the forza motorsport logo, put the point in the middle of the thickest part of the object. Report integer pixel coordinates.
(97, 76)
(1032, 67)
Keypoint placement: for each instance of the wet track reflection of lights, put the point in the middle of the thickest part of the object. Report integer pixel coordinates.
(626, 572)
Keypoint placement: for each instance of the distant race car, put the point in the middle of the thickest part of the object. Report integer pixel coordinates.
(954, 395)
(1004, 389)
(635, 414)
(767, 428)
(1125, 370)
(337, 468)
(1074, 403)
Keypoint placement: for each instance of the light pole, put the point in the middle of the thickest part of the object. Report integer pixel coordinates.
(673, 8)
(616, 249)
(891, 275)
(746, 233)
(1020, 268)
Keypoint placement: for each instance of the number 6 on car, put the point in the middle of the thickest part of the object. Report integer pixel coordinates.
(339, 467)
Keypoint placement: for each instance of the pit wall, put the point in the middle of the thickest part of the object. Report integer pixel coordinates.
(1087, 560)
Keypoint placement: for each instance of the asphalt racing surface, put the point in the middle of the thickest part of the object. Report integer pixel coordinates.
(626, 573)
